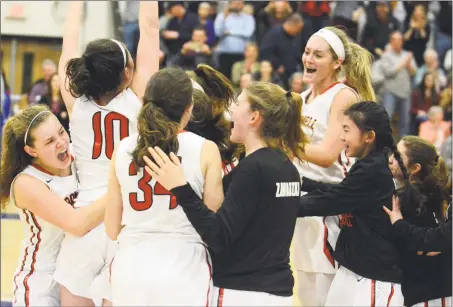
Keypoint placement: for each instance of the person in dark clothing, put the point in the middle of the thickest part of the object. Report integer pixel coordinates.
(250, 235)
(425, 279)
(417, 35)
(377, 30)
(422, 98)
(179, 28)
(282, 46)
(365, 248)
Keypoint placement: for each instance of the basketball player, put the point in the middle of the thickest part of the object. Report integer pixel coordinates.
(426, 280)
(213, 93)
(370, 273)
(102, 95)
(250, 235)
(146, 216)
(328, 53)
(38, 178)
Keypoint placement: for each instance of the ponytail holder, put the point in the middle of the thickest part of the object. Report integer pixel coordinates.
(289, 96)
(437, 159)
(123, 51)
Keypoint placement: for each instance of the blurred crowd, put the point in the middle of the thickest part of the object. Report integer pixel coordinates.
(264, 40)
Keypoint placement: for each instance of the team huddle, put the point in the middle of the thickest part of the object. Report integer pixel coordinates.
(172, 191)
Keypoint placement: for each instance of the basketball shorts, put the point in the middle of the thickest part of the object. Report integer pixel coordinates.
(228, 297)
(161, 272)
(82, 259)
(440, 302)
(350, 289)
(35, 289)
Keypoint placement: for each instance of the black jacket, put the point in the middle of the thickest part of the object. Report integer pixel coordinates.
(366, 241)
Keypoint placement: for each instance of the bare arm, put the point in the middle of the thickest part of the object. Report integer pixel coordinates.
(211, 164)
(148, 46)
(326, 153)
(53, 209)
(114, 207)
(70, 48)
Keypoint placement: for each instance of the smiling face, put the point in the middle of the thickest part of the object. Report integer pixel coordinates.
(353, 138)
(318, 61)
(50, 145)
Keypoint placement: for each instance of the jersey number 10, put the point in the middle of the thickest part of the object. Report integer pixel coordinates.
(109, 137)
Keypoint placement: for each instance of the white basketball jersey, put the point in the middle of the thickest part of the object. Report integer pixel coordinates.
(316, 120)
(95, 131)
(42, 240)
(148, 208)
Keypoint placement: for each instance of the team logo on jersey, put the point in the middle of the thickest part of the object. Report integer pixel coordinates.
(287, 189)
(346, 220)
(71, 199)
(310, 122)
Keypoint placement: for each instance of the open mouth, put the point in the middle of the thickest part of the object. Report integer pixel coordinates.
(63, 156)
(311, 70)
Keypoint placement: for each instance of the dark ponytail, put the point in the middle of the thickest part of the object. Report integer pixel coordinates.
(98, 72)
(167, 96)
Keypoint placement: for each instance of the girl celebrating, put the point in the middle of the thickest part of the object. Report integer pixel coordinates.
(369, 274)
(36, 154)
(328, 54)
(146, 217)
(425, 279)
(102, 95)
(250, 235)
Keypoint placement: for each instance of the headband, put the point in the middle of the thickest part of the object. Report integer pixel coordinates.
(122, 50)
(334, 41)
(29, 125)
(197, 85)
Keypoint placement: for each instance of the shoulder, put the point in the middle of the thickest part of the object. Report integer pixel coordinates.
(345, 97)
(23, 182)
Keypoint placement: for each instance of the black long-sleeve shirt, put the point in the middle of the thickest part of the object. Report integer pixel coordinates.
(366, 242)
(250, 235)
(425, 278)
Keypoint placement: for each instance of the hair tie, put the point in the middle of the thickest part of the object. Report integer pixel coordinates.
(123, 51)
(437, 159)
(334, 41)
(31, 122)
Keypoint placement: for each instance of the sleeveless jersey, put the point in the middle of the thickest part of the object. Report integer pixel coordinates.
(95, 131)
(42, 240)
(314, 234)
(148, 208)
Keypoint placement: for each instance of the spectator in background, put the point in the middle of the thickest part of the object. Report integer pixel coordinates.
(282, 46)
(246, 80)
(195, 51)
(5, 104)
(446, 153)
(442, 36)
(346, 14)
(431, 65)
(54, 101)
(435, 130)
(179, 29)
(130, 26)
(397, 67)
(39, 88)
(206, 22)
(447, 61)
(445, 101)
(422, 98)
(296, 83)
(417, 35)
(234, 29)
(275, 13)
(249, 65)
(316, 14)
(267, 74)
(378, 29)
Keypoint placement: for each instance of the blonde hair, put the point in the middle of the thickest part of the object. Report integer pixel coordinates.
(356, 65)
(282, 120)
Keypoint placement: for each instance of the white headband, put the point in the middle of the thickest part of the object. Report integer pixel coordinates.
(334, 41)
(29, 125)
(196, 85)
(122, 50)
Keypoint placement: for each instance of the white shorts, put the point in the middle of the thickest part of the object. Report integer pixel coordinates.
(440, 302)
(311, 235)
(312, 288)
(228, 297)
(36, 289)
(81, 260)
(350, 289)
(160, 272)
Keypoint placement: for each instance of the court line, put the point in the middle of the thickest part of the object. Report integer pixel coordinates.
(6, 303)
(10, 216)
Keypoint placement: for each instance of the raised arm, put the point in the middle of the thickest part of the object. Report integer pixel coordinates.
(327, 152)
(52, 208)
(70, 48)
(148, 46)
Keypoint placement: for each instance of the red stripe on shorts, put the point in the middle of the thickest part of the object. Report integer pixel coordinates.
(35, 253)
(220, 298)
(373, 293)
(390, 296)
